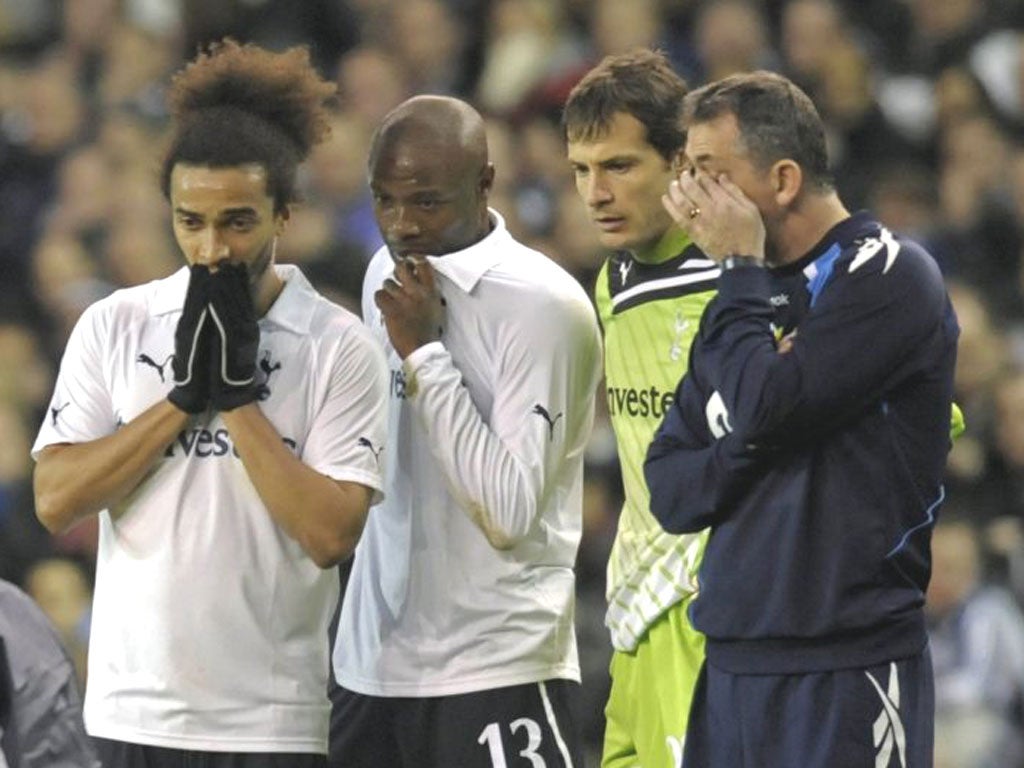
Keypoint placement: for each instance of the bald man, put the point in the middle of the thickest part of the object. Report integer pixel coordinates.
(455, 644)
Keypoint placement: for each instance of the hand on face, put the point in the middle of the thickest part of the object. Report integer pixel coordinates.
(236, 339)
(411, 305)
(717, 216)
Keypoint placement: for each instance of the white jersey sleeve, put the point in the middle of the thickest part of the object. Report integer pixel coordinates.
(81, 408)
(501, 467)
(346, 440)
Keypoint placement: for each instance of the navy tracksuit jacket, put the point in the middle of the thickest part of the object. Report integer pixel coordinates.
(819, 469)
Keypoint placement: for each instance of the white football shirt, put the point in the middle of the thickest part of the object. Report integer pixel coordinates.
(209, 623)
(487, 431)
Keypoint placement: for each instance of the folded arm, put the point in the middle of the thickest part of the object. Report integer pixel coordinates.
(75, 480)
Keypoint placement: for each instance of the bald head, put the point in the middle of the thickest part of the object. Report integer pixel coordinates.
(440, 124)
(430, 176)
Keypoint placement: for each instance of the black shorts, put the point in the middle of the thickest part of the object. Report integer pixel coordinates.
(120, 754)
(523, 725)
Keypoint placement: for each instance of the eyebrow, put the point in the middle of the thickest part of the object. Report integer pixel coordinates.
(241, 211)
(620, 158)
(703, 157)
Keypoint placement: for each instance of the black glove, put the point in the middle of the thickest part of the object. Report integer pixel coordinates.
(236, 339)
(191, 392)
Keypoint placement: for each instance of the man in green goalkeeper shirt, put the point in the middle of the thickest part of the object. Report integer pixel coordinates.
(622, 124)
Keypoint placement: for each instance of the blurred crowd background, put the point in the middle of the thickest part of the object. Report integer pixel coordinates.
(924, 105)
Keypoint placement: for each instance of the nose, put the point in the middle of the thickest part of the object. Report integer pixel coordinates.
(596, 191)
(211, 250)
(402, 225)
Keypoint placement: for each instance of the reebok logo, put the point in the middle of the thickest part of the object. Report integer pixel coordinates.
(872, 246)
(55, 412)
(145, 359)
(888, 731)
(541, 411)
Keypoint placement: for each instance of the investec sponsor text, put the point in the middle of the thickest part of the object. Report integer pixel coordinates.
(206, 443)
(639, 402)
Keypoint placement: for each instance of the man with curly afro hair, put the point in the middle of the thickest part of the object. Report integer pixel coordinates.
(226, 424)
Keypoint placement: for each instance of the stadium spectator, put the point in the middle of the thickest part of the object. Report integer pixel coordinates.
(530, 48)
(810, 434)
(23, 541)
(625, 143)
(976, 632)
(432, 63)
(371, 82)
(456, 642)
(732, 36)
(62, 588)
(982, 353)
(225, 425)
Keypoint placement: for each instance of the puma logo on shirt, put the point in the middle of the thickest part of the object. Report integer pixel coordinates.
(145, 359)
(541, 411)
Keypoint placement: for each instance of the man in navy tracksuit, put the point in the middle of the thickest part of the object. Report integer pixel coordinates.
(810, 434)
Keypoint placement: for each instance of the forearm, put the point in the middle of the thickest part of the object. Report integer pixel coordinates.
(74, 481)
(694, 475)
(497, 490)
(324, 516)
(692, 488)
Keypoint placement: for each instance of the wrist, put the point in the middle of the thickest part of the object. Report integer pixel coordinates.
(187, 402)
(739, 260)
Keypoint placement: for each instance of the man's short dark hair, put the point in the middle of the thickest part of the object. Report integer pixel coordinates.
(239, 104)
(776, 121)
(640, 83)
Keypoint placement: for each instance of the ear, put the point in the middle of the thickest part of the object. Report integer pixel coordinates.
(487, 179)
(678, 161)
(787, 180)
(281, 220)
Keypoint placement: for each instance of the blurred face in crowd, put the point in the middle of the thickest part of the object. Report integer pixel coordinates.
(227, 215)
(1009, 401)
(980, 351)
(954, 566)
(621, 178)
(428, 199)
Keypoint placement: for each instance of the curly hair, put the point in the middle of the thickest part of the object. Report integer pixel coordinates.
(237, 104)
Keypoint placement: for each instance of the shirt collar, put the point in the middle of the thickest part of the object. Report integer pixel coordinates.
(170, 293)
(292, 310)
(842, 233)
(669, 245)
(466, 267)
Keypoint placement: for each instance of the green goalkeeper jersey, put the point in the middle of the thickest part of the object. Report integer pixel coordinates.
(649, 312)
